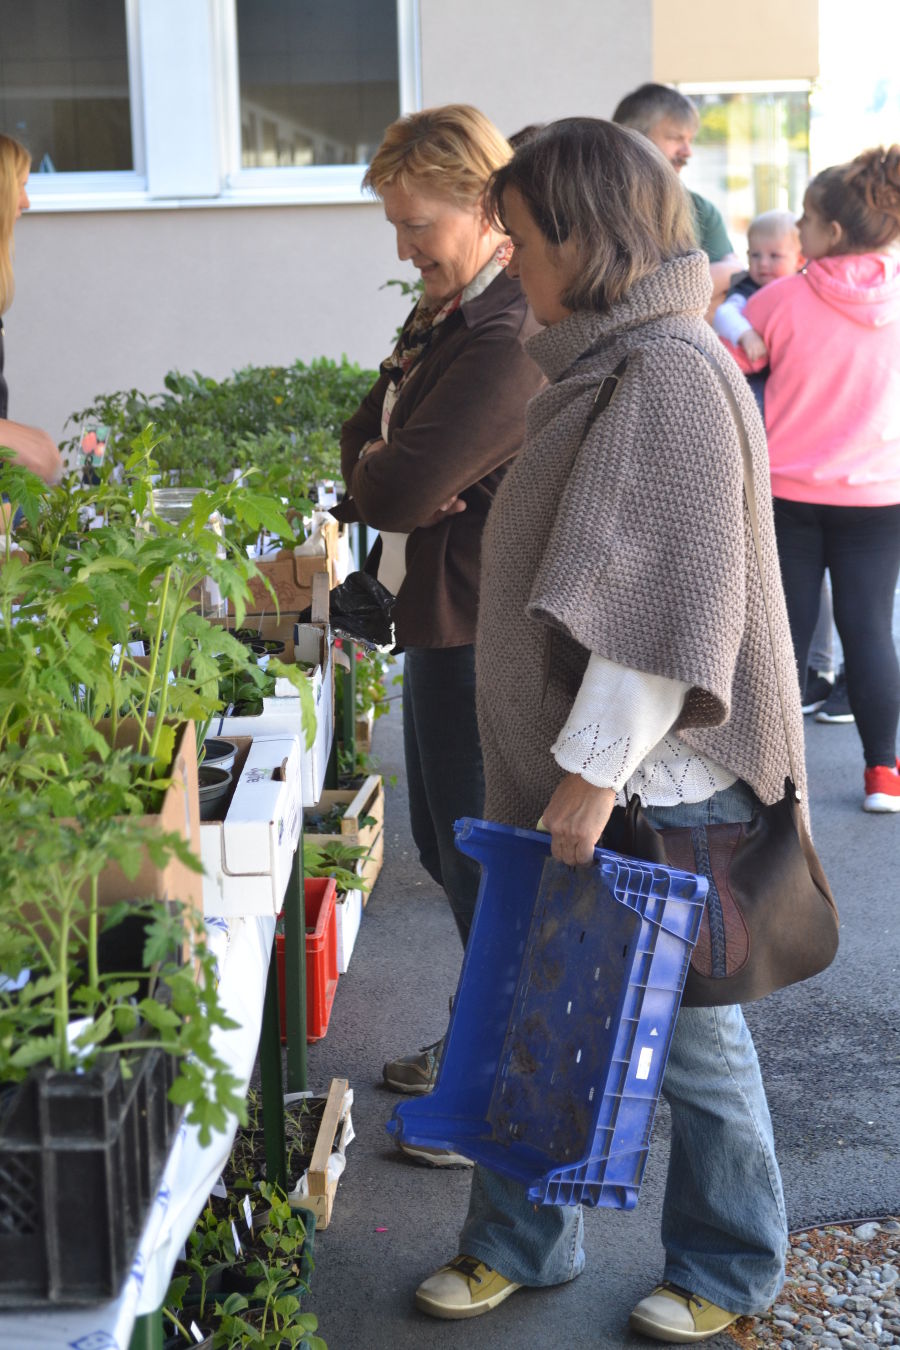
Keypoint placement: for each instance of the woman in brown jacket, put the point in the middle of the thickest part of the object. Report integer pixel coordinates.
(422, 458)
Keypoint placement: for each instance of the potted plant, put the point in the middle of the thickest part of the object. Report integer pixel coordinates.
(89, 733)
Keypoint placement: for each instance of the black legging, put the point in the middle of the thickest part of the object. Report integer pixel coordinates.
(860, 546)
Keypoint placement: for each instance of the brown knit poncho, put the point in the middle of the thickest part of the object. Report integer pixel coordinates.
(633, 542)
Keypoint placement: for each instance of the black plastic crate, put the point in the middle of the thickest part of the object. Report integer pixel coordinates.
(81, 1155)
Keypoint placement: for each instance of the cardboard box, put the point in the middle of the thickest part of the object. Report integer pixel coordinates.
(281, 713)
(290, 575)
(247, 857)
(179, 814)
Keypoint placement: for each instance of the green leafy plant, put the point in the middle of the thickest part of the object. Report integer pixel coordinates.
(333, 859)
(283, 421)
(281, 1274)
(70, 1013)
(92, 568)
(71, 601)
(373, 673)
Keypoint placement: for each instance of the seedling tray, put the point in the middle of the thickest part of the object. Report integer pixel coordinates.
(81, 1156)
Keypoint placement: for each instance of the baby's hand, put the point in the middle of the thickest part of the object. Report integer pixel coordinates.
(753, 345)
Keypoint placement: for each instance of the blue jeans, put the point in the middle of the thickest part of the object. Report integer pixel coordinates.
(443, 767)
(724, 1226)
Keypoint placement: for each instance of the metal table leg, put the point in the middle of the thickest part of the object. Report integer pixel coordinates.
(271, 1081)
(147, 1333)
(295, 974)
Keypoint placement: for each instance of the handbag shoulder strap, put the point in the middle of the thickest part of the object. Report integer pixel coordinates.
(750, 496)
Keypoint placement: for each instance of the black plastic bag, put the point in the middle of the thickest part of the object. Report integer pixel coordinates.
(360, 609)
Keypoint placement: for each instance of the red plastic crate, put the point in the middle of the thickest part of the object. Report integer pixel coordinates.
(320, 898)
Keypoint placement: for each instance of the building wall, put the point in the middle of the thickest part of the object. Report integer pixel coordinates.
(540, 61)
(113, 299)
(706, 41)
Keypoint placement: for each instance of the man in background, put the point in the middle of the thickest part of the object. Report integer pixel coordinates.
(671, 121)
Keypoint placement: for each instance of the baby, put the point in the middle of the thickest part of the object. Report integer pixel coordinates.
(773, 250)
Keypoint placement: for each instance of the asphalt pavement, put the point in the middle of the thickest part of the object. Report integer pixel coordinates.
(830, 1055)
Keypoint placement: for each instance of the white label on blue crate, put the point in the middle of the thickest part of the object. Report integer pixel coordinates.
(644, 1060)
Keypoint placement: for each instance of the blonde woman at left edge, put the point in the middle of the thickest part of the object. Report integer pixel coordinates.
(31, 447)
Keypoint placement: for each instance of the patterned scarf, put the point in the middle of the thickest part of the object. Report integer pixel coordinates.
(417, 334)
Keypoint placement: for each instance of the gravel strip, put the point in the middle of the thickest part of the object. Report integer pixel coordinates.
(842, 1292)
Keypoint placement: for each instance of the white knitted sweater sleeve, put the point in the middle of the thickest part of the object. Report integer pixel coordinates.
(618, 716)
(729, 321)
(620, 732)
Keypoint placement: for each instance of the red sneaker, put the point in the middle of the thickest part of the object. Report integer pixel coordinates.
(882, 788)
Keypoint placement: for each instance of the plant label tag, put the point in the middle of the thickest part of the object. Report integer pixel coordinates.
(219, 1190)
(197, 1333)
(238, 1249)
(248, 1214)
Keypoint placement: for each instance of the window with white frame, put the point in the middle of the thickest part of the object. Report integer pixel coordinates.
(64, 83)
(144, 103)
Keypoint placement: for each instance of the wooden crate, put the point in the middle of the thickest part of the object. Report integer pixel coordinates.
(368, 800)
(322, 1188)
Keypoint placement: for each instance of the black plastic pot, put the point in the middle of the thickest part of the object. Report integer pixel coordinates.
(215, 785)
(267, 646)
(219, 751)
(81, 1155)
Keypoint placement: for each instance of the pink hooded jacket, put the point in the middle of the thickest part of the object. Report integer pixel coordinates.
(833, 394)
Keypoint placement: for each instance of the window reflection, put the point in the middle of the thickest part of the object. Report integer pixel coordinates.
(318, 80)
(64, 83)
(751, 153)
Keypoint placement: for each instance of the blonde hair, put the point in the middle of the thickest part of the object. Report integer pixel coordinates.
(775, 225)
(609, 190)
(447, 152)
(15, 162)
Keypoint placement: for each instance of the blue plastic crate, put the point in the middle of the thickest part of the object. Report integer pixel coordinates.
(562, 1022)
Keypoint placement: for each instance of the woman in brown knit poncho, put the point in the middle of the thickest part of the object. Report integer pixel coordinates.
(622, 638)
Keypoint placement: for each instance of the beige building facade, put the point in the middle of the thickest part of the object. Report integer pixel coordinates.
(194, 270)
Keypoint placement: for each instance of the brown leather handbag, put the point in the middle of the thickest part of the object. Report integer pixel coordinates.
(770, 918)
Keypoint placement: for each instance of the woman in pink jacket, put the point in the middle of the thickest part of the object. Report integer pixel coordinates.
(833, 418)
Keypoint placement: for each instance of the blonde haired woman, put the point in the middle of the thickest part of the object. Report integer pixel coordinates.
(31, 447)
(422, 459)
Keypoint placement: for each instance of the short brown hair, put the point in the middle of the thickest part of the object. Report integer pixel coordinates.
(447, 152)
(609, 190)
(863, 196)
